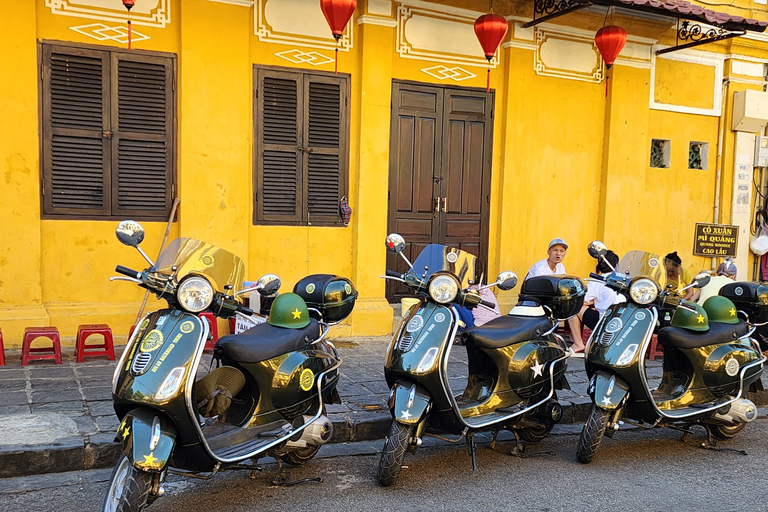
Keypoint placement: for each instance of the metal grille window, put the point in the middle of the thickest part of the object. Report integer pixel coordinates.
(108, 120)
(302, 135)
(698, 155)
(660, 154)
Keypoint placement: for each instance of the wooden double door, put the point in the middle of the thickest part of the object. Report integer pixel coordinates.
(439, 171)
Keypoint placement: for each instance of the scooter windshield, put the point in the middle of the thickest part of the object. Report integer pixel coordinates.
(192, 256)
(641, 263)
(434, 258)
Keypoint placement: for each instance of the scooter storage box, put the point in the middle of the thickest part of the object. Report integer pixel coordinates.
(750, 297)
(334, 296)
(564, 295)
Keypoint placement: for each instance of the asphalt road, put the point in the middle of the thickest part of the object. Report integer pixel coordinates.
(637, 470)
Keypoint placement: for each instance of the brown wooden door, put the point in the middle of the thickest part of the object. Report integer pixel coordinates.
(440, 166)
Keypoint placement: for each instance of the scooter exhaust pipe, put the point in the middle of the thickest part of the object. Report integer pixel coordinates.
(740, 411)
(318, 433)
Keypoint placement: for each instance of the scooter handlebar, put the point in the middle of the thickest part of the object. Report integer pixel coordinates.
(392, 273)
(128, 272)
(597, 276)
(489, 305)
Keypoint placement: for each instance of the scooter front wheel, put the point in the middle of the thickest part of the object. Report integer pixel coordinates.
(394, 452)
(592, 434)
(128, 488)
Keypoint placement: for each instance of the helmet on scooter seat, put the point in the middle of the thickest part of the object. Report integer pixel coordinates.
(691, 316)
(289, 310)
(720, 309)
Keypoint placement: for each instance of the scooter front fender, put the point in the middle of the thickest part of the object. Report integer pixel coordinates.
(148, 438)
(608, 390)
(409, 402)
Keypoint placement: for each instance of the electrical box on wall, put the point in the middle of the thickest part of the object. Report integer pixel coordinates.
(750, 111)
(761, 151)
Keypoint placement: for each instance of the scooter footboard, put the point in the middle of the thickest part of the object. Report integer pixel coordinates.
(409, 402)
(148, 438)
(608, 390)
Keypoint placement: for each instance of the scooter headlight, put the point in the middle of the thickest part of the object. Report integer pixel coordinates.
(443, 288)
(171, 384)
(643, 291)
(195, 294)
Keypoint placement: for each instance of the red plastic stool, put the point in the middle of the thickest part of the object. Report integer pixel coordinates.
(655, 350)
(2, 349)
(104, 348)
(28, 353)
(585, 333)
(130, 331)
(214, 328)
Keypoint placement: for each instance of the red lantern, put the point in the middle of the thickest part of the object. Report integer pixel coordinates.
(337, 14)
(490, 30)
(128, 4)
(610, 40)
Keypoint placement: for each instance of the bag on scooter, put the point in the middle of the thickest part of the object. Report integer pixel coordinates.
(214, 392)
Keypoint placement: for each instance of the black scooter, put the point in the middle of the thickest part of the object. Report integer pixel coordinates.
(516, 362)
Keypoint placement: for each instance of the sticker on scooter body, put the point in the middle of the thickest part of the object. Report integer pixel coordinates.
(152, 341)
(732, 367)
(416, 323)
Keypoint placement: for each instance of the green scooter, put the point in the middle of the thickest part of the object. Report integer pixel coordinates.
(267, 400)
(516, 361)
(710, 360)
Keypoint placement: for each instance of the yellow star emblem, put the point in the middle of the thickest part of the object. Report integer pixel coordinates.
(733, 312)
(150, 459)
(700, 318)
(296, 314)
(126, 432)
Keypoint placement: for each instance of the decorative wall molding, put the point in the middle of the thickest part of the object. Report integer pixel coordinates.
(102, 32)
(456, 73)
(380, 8)
(367, 19)
(694, 57)
(297, 23)
(567, 56)
(445, 9)
(300, 57)
(753, 69)
(432, 32)
(243, 3)
(148, 13)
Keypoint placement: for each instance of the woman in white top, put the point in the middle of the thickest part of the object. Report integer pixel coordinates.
(599, 297)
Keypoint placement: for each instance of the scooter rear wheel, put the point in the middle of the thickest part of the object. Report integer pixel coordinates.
(592, 434)
(128, 488)
(301, 456)
(536, 434)
(727, 431)
(393, 453)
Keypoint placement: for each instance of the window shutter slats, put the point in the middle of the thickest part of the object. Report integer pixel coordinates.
(280, 106)
(77, 174)
(279, 183)
(324, 114)
(323, 185)
(142, 183)
(141, 97)
(76, 92)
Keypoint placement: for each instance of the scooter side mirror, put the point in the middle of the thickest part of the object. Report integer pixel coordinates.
(701, 280)
(506, 280)
(395, 243)
(130, 233)
(597, 249)
(268, 284)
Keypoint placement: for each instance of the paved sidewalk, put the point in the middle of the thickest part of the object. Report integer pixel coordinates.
(56, 418)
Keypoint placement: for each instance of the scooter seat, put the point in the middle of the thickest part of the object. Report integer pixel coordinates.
(717, 333)
(506, 330)
(266, 341)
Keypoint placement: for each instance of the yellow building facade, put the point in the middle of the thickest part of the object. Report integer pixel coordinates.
(568, 155)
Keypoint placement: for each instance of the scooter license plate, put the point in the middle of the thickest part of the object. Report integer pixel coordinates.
(242, 323)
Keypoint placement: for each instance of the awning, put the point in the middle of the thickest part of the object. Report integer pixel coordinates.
(721, 25)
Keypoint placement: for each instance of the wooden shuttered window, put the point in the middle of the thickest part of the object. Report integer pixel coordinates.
(108, 122)
(302, 136)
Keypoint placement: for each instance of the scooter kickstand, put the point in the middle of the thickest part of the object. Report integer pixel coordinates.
(519, 448)
(282, 477)
(711, 443)
(471, 443)
(493, 441)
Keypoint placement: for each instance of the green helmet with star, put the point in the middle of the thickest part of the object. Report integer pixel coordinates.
(289, 310)
(691, 316)
(720, 309)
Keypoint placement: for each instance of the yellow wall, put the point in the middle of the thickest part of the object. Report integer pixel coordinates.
(567, 161)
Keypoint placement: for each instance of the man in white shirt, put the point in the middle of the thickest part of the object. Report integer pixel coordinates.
(726, 273)
(554, 265)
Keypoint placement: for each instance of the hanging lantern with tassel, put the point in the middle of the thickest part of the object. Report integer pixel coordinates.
(609, 41)
(337, 14)
(490, 30)
(128, 4)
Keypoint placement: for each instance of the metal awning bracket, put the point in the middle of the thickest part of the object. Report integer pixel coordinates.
(697, 35)
(551, 9)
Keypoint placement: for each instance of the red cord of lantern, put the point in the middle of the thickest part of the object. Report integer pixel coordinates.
(609, 41)
(337, 13)
(490, 30)
(128, 4)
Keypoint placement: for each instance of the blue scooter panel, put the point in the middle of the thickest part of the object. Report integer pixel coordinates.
(148, 438)
(409, 402)
(608, 390)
